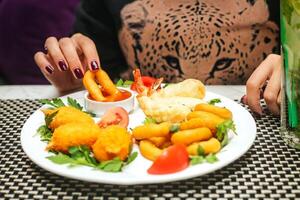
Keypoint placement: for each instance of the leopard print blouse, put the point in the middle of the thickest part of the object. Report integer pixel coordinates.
(218, 42)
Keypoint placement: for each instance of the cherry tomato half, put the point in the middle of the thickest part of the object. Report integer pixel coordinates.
(147, 81)
(114, 116)
(173, 159)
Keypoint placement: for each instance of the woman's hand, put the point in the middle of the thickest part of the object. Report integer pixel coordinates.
(67, 60)
(265, 82)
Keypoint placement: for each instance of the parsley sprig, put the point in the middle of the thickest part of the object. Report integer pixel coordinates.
(214, 101)
(122, 83)
(222, 131)
(201, 157)
(149, 120)
(44, 131)
(57, 103)
(82, 155)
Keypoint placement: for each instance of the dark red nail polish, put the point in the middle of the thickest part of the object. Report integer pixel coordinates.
(94, 65)
(49, 69)
(78, 73)
(62, 65)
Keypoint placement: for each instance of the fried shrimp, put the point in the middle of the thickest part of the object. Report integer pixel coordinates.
(188, 88)
(172, 103)
(74, 134)
(67, 115)
(114, 141)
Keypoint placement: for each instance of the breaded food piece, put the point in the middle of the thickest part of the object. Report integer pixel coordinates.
(74, 134)
(188, 88)
(114, 141)
(67, 115)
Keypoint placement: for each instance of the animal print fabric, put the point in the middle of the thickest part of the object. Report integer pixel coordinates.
(218, 42)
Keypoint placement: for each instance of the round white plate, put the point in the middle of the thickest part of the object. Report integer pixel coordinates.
(136, 172)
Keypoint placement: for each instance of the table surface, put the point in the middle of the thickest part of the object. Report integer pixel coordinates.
(268, 170)
(48, 91)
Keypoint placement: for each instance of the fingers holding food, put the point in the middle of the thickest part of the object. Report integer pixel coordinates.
(44, 64)
(56, 54)
(87, 47)
(69, 51)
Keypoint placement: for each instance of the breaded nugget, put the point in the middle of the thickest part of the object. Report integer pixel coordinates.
(68, 114)
(114, 141)
(74, 134)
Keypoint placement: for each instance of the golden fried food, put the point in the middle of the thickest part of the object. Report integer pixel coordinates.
(171, 103)
(147, 131)
(91, 81)
(221, 112)
(91, 85)
(210, 146)
(67, 115)
(114, 141)
(74, 134)
(149, 150)
(188, 88)
(193, 123)
(210, 120)
(159, 141)
(187, 137)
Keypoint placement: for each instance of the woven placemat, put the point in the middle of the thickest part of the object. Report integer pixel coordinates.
(269, 170)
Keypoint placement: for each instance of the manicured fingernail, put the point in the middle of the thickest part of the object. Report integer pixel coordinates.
(49, 69)
(78, 73)
(62, 65)
(94, 65)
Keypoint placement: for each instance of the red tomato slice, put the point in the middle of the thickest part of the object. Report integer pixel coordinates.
(148, 81)
(114, 116)
(175, 158)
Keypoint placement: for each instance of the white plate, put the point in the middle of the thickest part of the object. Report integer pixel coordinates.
(136, 172)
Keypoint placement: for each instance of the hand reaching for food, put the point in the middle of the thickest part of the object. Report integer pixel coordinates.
(66, 61)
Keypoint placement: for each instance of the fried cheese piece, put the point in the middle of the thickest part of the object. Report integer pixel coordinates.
(67, 115)
(114, 141)
(74, 134)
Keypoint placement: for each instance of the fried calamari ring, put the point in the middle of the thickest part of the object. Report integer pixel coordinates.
(91, 80)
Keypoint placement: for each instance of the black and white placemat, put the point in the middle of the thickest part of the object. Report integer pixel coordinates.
(269, 170)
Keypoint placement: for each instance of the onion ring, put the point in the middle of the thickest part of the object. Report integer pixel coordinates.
(91, 81)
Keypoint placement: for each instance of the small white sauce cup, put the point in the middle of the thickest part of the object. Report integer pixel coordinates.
(99, 108)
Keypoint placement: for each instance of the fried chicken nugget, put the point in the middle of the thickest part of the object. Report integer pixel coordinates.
(67, 115)
(74, 134)
(114, 141)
